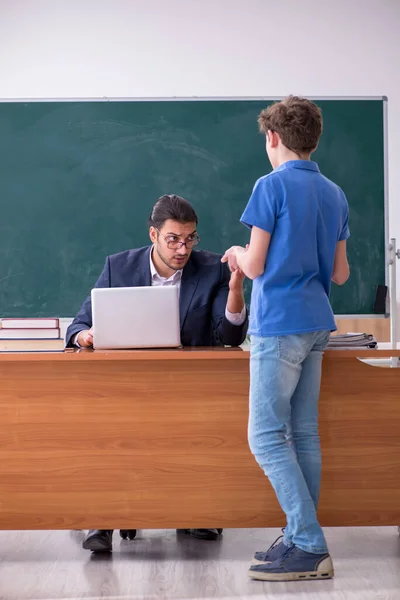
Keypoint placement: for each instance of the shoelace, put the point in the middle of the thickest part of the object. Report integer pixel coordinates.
(275, 543)
(272, 546)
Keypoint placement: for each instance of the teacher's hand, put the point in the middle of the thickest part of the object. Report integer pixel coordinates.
(236, 281)
(85, 338)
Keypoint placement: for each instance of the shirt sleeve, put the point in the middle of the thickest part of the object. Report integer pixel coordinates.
(74, 340)
(236, 318)
(262, 209)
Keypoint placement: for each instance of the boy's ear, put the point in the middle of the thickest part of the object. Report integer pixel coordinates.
(273, 138)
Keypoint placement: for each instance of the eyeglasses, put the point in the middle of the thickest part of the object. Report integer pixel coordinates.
(174, 243)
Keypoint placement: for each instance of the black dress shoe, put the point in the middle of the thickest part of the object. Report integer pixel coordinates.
(98, 540)
(204, 534)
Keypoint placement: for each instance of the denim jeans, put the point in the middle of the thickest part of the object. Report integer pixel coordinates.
(285, 378)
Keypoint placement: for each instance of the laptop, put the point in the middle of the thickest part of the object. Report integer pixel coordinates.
(136, 317)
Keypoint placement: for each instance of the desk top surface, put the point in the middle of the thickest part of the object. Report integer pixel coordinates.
(181, 354)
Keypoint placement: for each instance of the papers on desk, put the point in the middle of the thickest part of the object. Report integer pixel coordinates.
(352, 341)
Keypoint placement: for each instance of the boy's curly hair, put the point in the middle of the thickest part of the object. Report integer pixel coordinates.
(298, 122)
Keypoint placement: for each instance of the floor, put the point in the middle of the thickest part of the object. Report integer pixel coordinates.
(159, 564)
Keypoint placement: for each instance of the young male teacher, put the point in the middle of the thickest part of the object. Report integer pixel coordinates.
(212, 308)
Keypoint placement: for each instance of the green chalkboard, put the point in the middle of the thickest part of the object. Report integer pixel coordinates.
(78, 179)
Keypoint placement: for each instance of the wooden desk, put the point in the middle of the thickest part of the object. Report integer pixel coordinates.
(159, 439)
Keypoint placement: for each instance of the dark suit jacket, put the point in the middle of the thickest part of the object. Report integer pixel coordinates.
(203, 295)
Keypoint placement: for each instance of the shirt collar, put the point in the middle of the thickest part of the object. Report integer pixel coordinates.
(155, 274)
(309, 165)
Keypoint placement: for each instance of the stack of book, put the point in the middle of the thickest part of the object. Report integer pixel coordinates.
(352, 341)
(35, 335)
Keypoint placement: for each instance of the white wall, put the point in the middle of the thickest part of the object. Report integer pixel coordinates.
(94, 48)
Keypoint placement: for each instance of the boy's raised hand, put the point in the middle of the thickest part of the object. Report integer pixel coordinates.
(230, 257)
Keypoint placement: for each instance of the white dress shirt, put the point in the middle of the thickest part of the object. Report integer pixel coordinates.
(175, 279)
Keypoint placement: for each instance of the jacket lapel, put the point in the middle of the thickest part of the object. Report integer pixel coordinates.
(189, 283)
(142, 275)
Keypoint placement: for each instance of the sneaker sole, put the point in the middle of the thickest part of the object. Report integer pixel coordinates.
(327, 573)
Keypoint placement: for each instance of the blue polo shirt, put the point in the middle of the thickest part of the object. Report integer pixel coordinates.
(306, 215)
